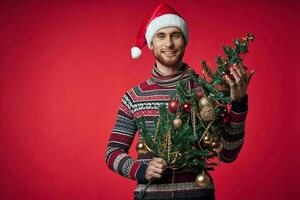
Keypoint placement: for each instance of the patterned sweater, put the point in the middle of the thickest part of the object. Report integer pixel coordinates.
(144, 100)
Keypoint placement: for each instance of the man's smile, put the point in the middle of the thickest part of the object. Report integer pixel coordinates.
(169, 52)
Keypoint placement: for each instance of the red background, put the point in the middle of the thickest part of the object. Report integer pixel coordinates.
(64, 66)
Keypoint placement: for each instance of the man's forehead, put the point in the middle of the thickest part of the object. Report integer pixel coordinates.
(168, 30)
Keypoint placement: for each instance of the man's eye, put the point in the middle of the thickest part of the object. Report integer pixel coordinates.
(160, 36)
(176, 36)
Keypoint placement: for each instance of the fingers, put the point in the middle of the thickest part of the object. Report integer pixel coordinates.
(159, 162)
(164, 163)
(249, 76)
(153, 173)
(238, 70)
(236, 76)
(242, 68)
(155, 168)
(229, 81)
(239, 74)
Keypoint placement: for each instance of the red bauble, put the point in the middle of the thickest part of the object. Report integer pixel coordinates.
(187, 107)
(173, 106)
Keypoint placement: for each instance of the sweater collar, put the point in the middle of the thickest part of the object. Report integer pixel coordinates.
(172, 79)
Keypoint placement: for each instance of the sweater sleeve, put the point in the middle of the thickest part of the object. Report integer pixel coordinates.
(120, 140)
(232, 137)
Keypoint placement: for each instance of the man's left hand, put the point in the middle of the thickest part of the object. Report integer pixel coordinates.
(238, 86)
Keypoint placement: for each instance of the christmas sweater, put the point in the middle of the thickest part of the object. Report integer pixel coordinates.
(144, 101)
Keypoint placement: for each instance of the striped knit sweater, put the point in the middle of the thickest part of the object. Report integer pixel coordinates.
(144, 100)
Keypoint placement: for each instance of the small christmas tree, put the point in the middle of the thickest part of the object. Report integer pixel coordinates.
(187, 130)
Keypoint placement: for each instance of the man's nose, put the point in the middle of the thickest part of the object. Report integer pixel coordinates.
(169, 42)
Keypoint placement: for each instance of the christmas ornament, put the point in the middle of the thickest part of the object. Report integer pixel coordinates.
(141, 147)
(173, 106)
(177, 123)
(217, 146)
(207, 113)
(186, 107)
(204, 102)
(207, 139)
(202, 180)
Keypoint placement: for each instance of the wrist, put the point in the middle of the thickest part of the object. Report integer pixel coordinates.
(240, 105)
(141, 174)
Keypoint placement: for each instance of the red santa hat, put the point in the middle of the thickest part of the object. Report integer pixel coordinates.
(161, 17)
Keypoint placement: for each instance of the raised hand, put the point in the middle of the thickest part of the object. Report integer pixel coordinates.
(238, 86)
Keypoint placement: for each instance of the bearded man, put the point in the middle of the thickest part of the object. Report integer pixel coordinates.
(166, 34)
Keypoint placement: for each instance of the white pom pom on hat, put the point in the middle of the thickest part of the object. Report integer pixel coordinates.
(136, 52)
(161, 16)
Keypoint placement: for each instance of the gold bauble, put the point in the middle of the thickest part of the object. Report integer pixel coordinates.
(207, 139)
(141, 147)
(202, 180)
(204, 101)
(177, 123)
(217, 146)
(207, 113)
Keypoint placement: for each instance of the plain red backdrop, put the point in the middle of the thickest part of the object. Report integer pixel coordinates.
(64, 66)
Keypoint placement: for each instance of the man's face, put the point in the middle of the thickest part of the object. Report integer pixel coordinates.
(168, 46)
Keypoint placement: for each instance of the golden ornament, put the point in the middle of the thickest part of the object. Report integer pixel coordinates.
(207, 139)
(207, 113)
(217, 146)
(141, 147)
(177, 123)
(202, 180)
(204, 101)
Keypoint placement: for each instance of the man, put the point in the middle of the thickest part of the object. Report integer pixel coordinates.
(166, 34)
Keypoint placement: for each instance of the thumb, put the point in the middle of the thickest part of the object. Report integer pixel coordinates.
(249, 76)
(165, 164)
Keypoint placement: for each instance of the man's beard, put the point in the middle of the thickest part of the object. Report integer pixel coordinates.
(169, 63)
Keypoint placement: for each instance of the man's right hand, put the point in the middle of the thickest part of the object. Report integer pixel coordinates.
(155, 168)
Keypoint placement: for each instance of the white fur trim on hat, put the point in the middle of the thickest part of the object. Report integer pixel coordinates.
(164, 21)
(136, 52)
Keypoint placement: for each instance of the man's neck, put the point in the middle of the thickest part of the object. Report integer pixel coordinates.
(168, 70)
